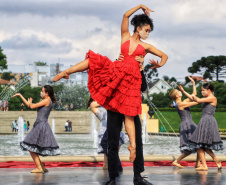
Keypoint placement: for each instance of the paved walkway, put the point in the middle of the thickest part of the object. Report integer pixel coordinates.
(97, 176)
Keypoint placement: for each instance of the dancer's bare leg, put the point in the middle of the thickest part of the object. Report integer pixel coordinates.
(81, 66)
(177, 161)
(130, 129)
(201, 154)
(37, 161)
(218, 163)
(198, 163)
(105, 165)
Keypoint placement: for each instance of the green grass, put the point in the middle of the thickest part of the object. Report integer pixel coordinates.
(174, 119)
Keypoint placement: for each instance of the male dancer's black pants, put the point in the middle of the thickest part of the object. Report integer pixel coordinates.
(114, 126)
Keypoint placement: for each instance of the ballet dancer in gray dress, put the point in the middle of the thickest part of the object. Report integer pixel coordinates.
(187, 126)
(206, 137)
(101, 114)
(40, 140)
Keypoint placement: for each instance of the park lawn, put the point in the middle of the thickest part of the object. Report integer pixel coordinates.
(174, 119)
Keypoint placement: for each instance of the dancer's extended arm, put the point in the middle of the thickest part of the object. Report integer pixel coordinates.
(210, 99)
(22, 98)
(125, 21)
(151, 49)
(44, 102)
(185, 104)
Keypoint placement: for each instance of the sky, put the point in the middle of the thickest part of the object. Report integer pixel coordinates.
(64, 30)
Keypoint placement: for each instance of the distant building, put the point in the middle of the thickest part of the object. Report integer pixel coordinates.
(43, 75)
(156, 87)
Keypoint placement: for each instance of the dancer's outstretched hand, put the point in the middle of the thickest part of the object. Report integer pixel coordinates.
(146, 10)
(30, 100)
(181, 88)
(192, 80)
(121, 57)
(17, 94)
(140, 59)
(155, 63)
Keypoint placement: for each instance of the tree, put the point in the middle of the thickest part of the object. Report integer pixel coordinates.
(150, 72)
(39, 63)
(165, 78)
(173, 79)
(7, 76)
(209, 67)
(3, 61)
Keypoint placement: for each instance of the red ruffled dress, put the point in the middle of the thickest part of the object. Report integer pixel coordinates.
(116, 85)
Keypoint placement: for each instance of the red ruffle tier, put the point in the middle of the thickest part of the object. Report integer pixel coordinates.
(115, 85)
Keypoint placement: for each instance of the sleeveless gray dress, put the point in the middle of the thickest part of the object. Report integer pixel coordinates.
(187, 127)
(207, 135)
(40, 139)
(102, 116)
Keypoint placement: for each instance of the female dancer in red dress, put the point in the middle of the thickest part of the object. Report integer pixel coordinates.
(116, 85)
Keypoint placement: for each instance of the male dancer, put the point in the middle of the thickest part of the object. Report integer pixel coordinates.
(114, 126)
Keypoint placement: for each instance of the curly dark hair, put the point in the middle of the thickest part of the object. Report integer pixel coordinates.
(141, 20)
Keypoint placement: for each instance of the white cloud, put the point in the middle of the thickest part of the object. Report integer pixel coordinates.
(66, 29)
(199, 10)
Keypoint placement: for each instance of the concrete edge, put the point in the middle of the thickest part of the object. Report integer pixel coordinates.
(147, 158)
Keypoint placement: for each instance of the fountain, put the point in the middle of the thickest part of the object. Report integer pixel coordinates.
(10, 90)
(53, 126)
(20, 133)
(144, 130)
(93, 131)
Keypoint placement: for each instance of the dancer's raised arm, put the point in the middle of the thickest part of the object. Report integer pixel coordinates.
(125, 21)
(194, 86)
(194, 91)
(186, 94)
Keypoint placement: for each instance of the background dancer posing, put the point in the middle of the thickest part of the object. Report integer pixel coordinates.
(101, 113)
(116, 85)
(40, 140)
(206, 137)
(187, 126)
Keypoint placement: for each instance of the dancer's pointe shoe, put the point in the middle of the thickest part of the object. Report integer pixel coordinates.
(43, 167)
(132, 153)
(63, 74)
(219, 165)
(177, 164)
(36, 170)
(201, 168)
(198, 166)
(105, 167)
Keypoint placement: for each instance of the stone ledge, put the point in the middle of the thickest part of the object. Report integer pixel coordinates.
(100, 158)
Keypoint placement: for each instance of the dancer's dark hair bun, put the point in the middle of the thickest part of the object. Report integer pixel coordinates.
(141, 20)
(50, 91)
(208, 86)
